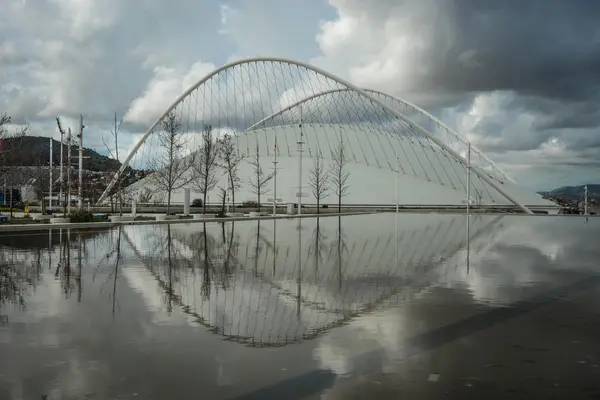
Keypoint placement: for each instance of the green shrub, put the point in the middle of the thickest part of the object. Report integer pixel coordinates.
(249, 204)
(82, 216)
(197, 203)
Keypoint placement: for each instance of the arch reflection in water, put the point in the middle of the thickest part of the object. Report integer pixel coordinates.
(271, 283)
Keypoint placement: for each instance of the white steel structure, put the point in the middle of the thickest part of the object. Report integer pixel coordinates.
(386, 140)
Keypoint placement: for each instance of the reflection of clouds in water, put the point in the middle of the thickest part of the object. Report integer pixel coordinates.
(333, 357)
(47, 302)
(78, 374)
(143, 283)
(529, 235)
(502, 265)
(528, 253)
(341, 350)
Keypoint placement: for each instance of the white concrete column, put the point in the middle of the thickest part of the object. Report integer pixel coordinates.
(186, 201)
(133, 209)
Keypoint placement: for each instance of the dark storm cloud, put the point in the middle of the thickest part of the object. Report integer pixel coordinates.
(547, 48)
(545, 53)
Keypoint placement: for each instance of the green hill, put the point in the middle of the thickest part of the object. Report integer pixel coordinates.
(35, 150)
(576, 192)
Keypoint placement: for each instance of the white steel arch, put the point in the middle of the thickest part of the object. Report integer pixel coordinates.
(477, 171)
(418, 109)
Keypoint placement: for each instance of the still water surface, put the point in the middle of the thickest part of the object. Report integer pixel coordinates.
(265, 309)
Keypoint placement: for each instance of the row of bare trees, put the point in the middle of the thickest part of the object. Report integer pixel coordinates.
(176, 166)
(322, 180)
(173, 169)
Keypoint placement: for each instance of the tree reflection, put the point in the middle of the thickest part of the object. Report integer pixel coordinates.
(23, 253)
(170, 292)
(208, 265)
(17, 277)
(231, 250)
(341, 248)
(114, 257)
(318, 248)
(186, 254)
(257, 248)
(63, 270)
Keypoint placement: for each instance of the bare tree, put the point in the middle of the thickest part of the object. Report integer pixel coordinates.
(5, 119)
(113, 151)
(318, 179)
(157, 199)
(145, 195)
(205, 165)
(258, 181)
(230, 160)
(170, 167)
(339, 172)
(222, 198)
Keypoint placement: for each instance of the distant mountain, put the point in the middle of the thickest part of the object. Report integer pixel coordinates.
(35, 150)
(574, 192)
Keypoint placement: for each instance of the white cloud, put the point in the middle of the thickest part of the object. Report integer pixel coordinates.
(163, 89)
(86, 17)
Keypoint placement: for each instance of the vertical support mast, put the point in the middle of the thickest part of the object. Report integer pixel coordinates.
(50, 186)
(468, 177)
(300, 143)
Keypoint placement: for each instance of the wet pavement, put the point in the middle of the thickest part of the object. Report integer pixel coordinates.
(420, 306)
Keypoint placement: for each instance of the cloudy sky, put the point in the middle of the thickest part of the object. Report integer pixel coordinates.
(520, 79)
